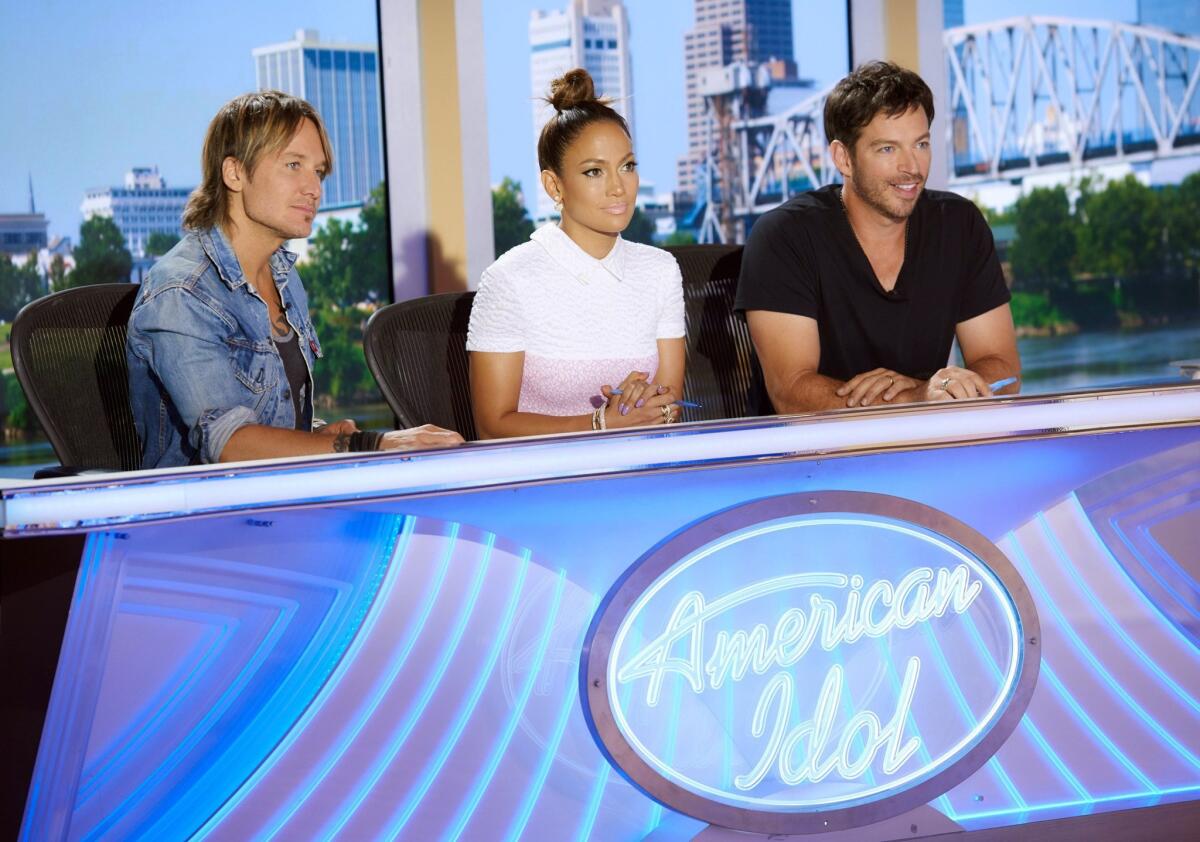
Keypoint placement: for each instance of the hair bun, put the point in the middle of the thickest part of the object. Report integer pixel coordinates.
(571, 90)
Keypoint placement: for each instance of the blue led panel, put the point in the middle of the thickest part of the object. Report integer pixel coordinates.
(409, 669)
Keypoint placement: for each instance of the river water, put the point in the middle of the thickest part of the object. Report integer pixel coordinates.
(1093, 360)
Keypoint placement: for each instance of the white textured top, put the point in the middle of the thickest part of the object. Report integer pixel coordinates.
(581, 322)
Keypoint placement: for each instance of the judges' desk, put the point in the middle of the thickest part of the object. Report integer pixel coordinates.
(867, 624)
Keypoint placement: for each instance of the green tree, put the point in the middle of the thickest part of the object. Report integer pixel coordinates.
(18, 285)
(1044, 247)
(681, 238)
(101, 257)
(1181, 210)
(18, 415)
(511, 225)
(640, 228)
(347, 262)
(58, 273)
(1122, 230)
(161, 242)
(347, 266)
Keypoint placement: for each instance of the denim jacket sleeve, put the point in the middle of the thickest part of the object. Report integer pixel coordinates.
(187, 346)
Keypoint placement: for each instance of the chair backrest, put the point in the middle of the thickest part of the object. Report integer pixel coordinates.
(417, 352)
(68, 350)
(720, 355)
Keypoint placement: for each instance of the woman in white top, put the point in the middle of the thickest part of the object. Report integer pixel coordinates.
(578, 329)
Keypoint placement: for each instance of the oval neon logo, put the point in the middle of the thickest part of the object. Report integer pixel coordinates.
(782, 666)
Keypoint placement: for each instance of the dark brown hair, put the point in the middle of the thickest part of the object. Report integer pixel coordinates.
(874, 87)
(246, 128)
(576, 106)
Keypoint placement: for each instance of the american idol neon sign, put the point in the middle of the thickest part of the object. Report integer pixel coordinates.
(810, 662)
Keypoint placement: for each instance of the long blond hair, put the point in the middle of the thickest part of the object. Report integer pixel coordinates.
(246, 129)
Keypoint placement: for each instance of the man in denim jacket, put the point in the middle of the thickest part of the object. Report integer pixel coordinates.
(220, 344)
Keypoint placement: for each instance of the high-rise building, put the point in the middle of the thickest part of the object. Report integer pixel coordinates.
(342, 82)
(592, 34)
(143, 205)
(1175, 15)
(952, 13)
(727, 31)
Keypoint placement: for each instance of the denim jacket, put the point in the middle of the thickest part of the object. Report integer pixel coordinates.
(201, 359)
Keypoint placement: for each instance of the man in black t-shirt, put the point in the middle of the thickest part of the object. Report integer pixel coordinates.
(855, 293)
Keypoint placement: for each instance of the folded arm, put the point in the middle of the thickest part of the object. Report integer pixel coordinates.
(496, 392)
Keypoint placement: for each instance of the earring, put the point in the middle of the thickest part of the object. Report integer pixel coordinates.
(558, 204)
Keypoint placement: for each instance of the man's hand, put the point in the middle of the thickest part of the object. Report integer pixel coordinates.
(877, 384)
(344, 427)
(954, 383)
(420, 438)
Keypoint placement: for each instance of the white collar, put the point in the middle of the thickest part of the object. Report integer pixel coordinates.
(581, 265)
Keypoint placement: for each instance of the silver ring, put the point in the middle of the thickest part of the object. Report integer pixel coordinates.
(945, 382)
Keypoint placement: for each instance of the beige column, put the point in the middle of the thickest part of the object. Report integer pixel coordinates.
(438, 189)
(908, 32)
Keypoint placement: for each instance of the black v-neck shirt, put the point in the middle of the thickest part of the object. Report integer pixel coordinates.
(803, 258)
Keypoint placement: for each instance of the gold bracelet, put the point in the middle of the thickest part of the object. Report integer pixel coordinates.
(596, 418)
(603, 407)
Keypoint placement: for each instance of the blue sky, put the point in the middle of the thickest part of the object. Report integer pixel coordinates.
(89, 90)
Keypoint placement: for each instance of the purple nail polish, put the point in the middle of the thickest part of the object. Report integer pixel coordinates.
(640, 402)
(624, 409)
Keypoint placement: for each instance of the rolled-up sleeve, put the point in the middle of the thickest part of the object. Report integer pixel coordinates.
(183, 342)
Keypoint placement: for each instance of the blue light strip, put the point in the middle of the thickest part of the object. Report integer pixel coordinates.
(1028, 724)
(411, 634)
(1129, 514)
(1044, 599)
(1156, 796)
(849, 709)
(400, 532)
(1168, 588)
(1143, 658)
(993, 764)
(500, 746)
(885, 658)
(588, 820)
(1015, 551)
(219, 630)
(450, 740)
(350, 806)
(287, 611)
(550, 753)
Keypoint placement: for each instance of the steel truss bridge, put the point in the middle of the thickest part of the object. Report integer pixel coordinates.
(1025, 96)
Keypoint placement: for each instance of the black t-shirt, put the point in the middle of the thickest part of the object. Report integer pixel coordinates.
(297, 375)
(803, 258)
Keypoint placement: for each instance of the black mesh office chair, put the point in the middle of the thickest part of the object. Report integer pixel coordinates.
(416, 351)
(68, 350)
(720, 355)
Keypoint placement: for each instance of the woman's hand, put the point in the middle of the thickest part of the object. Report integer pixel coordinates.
(639, 403)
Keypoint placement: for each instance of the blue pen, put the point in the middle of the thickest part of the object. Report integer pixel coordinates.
(1000, 384)
(688, 404)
